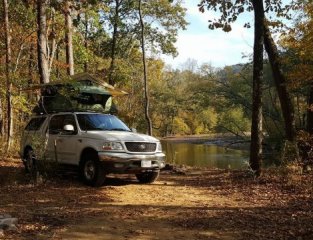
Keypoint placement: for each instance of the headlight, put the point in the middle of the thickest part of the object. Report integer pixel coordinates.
(115, 146)
(159, 147)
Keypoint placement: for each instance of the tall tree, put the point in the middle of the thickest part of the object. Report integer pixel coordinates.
(229, 13)
(114, 39)
(148, 119)
(42, 42)
(162, 20)
(1, 119)
(256, 127)
(86, 40)
(8, 71)
(281, 85)
(69, 37)
(310, 111)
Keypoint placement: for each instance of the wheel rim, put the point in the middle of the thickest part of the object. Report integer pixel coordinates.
(89, 170)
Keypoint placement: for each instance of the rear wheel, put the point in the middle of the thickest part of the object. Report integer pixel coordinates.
(92, 171)
(30, 161)
(147, 177)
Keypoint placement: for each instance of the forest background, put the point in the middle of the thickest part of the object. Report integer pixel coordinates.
(115, 40)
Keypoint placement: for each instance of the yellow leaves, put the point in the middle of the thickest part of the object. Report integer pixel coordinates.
(298, 41)
(180, 126)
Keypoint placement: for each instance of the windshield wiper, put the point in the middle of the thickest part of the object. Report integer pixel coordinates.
(119, 129)
(96, 129)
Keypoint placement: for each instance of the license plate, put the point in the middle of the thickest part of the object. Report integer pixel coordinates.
(145, 164)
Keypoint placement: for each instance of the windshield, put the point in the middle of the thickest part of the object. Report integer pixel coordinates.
(89, 122)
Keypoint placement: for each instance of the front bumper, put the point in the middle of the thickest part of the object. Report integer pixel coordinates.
(131, 163)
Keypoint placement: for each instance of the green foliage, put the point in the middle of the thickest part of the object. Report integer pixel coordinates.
(233, 121)
(209, 119)
(162, 20)
(180, 127)
(200, 100)
(230, 11)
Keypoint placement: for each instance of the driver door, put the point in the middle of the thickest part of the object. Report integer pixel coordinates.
(62, 143)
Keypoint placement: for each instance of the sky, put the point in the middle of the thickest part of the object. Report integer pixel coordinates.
(215, 47)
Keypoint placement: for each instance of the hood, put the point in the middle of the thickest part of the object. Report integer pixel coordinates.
(120, 136)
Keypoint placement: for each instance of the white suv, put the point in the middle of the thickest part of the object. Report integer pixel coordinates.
(97, 143)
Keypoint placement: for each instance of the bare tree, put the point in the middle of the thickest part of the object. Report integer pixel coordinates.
(114, 38)
(310, 112)
(148, 119)
(256, 127)
(86, 40)
(8, 71)
(69, 37)
(1, 119)
(42, 43)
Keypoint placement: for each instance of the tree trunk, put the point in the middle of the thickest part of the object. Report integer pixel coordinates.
(86, 41)
(31, 69)
(310, 112)
(53, 45)
(8, 71)
(281, 85)
(57, 56)
(31, 64)
(69, 38)
(42, 44)
(114, 38)
(1, 119)
(256, 128)
(149, 124)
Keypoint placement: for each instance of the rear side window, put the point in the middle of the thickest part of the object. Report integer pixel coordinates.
(35, 124)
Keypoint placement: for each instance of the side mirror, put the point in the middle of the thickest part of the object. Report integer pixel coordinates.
(133, 130)
(68, 128)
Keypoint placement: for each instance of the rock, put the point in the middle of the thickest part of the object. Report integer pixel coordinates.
(1, 233)
(12, 227)
(8, 224)
(5, 216)
(168, 167)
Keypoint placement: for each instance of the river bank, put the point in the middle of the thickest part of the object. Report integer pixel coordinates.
(222, 140)
(194, 204)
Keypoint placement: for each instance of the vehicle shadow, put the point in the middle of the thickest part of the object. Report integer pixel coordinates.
(45, 205)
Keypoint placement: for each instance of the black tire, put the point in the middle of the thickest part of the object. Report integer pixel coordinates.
(92, 171)
(30, 163)
(147, 177)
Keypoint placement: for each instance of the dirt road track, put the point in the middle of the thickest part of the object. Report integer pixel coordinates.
(210, 204)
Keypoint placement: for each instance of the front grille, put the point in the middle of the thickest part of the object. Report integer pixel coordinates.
(140, 147)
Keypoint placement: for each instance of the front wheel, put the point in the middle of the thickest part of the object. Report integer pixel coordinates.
(147, 177)
(92, 172)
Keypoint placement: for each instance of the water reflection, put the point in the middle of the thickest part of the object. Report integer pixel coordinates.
(200, 155)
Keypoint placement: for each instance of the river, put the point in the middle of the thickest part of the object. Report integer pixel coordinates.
(204, 155)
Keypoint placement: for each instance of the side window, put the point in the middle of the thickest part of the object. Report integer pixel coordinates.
(56, 124)
(59, 121)
(35, 124)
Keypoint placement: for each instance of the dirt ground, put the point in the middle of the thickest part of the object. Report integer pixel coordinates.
(195, 204)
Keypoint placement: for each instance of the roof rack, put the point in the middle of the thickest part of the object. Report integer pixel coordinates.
(83, 93)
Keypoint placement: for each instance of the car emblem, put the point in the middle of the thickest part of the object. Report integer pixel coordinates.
(142, 147)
